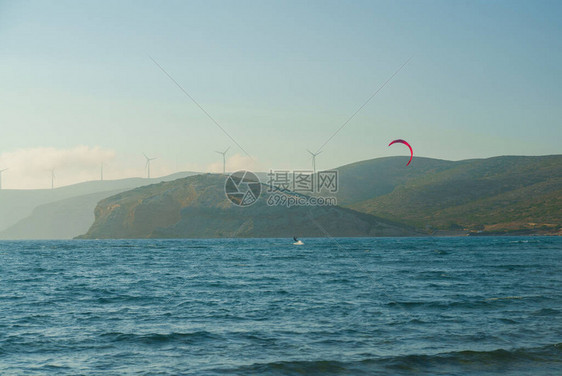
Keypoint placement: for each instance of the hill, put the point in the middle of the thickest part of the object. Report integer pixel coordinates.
(500, 195)
(196, 207)
(50, 213)
(365, 180)
(63, 219)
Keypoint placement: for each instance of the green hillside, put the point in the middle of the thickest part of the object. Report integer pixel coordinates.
(365, 180)
(500, 194)
(196, 207)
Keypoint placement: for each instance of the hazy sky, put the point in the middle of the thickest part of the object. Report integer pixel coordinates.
(77, 85)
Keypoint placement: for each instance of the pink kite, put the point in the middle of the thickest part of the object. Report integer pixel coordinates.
(408, 145)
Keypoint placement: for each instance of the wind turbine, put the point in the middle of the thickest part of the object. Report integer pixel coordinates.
(1, 171)
(223, 160)
(148, 164)
(101, 172)
(314, 159)
(53, 178)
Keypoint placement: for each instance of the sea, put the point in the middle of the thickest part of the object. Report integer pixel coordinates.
(361, 306)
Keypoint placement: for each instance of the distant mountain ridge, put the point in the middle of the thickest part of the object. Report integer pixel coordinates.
(62, 219)
(63, 212)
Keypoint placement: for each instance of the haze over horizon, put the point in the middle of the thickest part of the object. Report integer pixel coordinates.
(79, 88)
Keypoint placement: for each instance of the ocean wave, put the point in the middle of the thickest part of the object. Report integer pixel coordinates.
(547, 312)
(505, 298)
(155, 338)
(521, 361)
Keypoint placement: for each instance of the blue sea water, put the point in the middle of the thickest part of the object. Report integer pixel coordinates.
(381, 306)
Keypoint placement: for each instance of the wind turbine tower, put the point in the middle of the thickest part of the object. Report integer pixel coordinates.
(53, 178)
(1, 171)
(223, 160)
(314, 160)
(148, 164)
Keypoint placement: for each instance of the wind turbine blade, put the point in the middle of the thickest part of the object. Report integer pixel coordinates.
(311, 153)
(227, 149)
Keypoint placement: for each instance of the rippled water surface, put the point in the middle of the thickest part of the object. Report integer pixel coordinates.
(435, 306)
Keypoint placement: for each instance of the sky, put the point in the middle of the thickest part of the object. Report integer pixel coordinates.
(78, 86)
